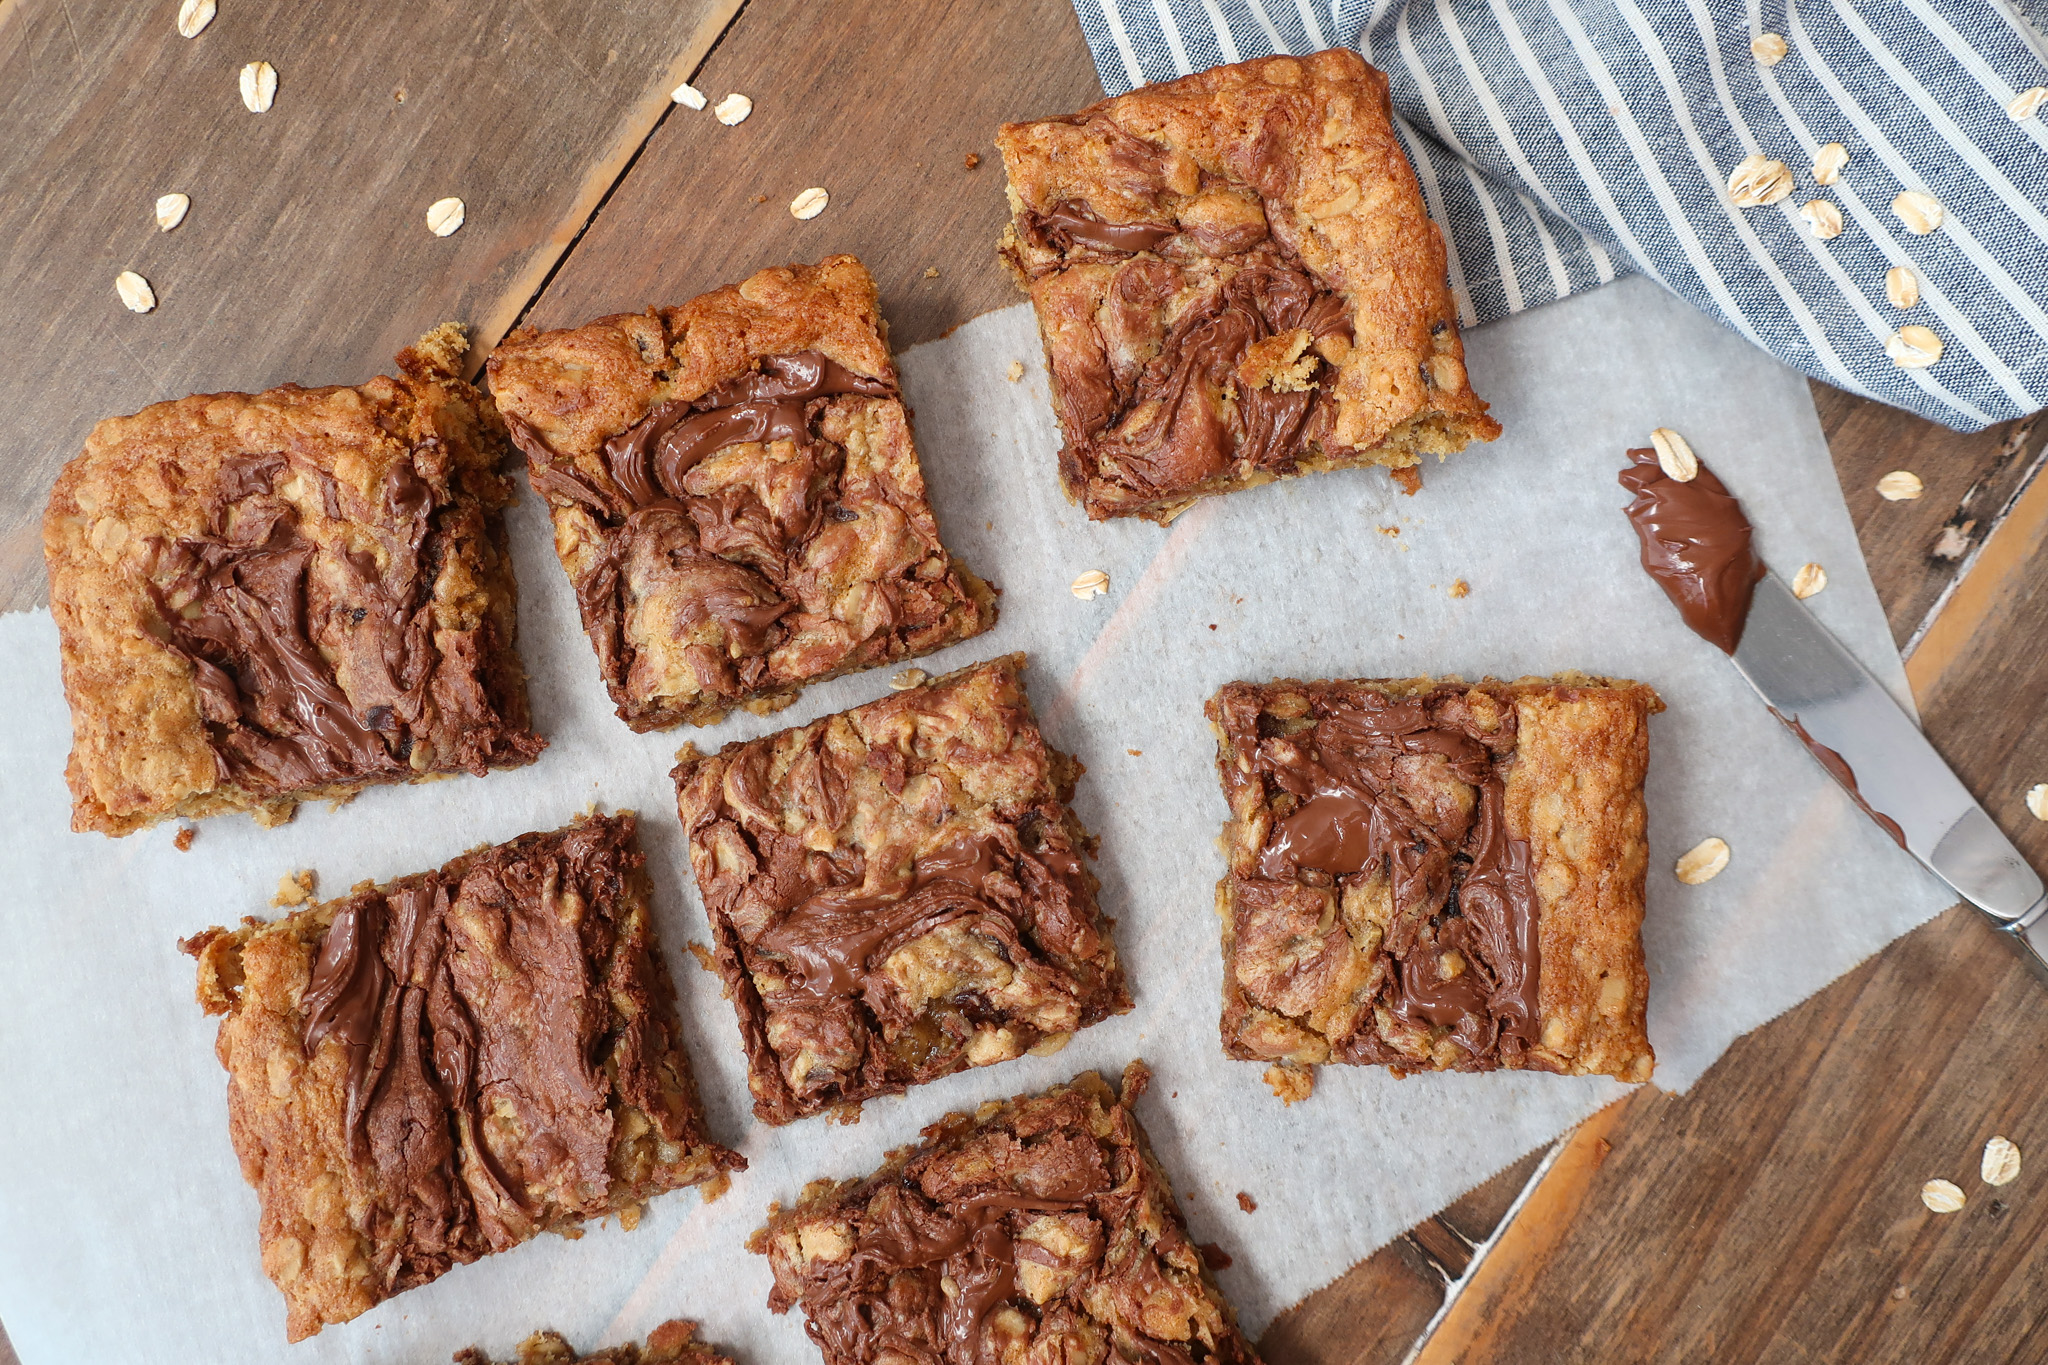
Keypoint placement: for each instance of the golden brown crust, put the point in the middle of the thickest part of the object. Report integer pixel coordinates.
(673, 1343)
(925, 843)
(119, 537)
(1286, 166)
(778, 562)
(499, 1056)
(1036, 1228)
(1315, 963)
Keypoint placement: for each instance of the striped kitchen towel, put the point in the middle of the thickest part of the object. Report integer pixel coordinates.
(1562, 143)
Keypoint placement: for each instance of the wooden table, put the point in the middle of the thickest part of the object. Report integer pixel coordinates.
(1770, 1215)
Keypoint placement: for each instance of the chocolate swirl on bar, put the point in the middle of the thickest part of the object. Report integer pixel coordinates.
(1460, 951)
(245, 605)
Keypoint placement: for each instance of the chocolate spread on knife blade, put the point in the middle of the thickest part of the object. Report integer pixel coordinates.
(1839, 769)
(1460, 951)
(1696, 544)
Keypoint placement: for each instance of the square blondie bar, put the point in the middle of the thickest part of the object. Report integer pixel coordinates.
(423, 1073)
(1039, 1228)
(896, 893)
(736, 495)
(263, 598)
(1236, 281)
(673, 1343)
(1427, 874)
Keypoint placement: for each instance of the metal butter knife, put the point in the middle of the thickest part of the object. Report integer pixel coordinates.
(1869, 745)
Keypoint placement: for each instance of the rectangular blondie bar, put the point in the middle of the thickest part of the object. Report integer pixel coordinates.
(1427, 874)
(896, 892)
(1035, 1229)
(736, 494)
(1236, 281)
(423, 1073)
(264, 598)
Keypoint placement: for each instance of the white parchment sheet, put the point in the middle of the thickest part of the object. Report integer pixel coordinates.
(126, 1232)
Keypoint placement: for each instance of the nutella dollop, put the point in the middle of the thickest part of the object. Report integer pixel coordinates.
(1696, 544)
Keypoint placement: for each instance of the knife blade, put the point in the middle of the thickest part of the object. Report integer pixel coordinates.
(1869, 745)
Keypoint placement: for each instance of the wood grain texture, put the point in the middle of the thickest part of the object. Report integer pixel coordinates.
(305, 256)
(1773, 1214)
(880, 103)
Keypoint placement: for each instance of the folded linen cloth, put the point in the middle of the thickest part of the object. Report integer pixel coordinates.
(1561, 143)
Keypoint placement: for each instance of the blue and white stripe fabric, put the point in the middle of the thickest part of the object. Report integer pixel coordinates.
(1562, 143)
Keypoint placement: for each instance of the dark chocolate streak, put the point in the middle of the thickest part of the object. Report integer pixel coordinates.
(1066, 225)
(833, 937)
(1193, 433)
(1696, 544)
(649, 459)
(968, 1239)
(276, 715)
(1353, 822)
(1839, 769)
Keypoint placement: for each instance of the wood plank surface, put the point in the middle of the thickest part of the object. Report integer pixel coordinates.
(1771, 1215)
(878, 103)
(306, 255)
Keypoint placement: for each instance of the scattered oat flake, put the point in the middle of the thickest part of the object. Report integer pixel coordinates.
(2037, 800)
(1757, 181)
(2001, 1164)
(733, 109)
(183, 841)
(1810, 579)
(1828, 163)
(1461, 588)
(909, 678)
(171, 210)
(809, 204)
(1823, 218)
(2027, 103)
(1094, 583)
(1954, 541)
(1768, 48)
(1902, 286)
(445, 216)
(1901, 485)
(687, 95)
(1942, 1196)
(931, 272)
(134, 291)
(1674, 456)
(1913, 347)
(1016, 371)
(1920, 211)
(259, 86)
(1703, 861)
(972, 161)
(195, 15)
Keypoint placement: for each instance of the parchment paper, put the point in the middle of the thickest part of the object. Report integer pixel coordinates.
(129, 1234)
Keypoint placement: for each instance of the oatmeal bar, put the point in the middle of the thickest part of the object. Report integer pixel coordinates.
(262, 598)
(672, 1343)
(1236, 281)
(1431, 875)
(736, 494)
(1038, 1228)
(896, 893)
(426, 1072)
